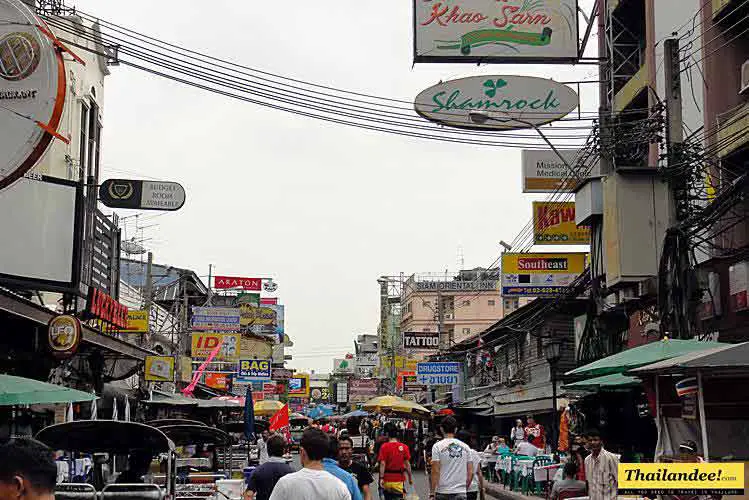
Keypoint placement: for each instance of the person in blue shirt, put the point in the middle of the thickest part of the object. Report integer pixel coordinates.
(330, 464)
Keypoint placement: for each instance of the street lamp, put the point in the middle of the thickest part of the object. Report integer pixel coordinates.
(480, 118)
(552, 351)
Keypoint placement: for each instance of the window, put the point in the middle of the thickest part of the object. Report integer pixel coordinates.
(83, 152)
(521, 352)
(466, 303)
(511, 304)
(466, 331)
(451, 337)
(492, 302)
(539, 347)
(426, 330)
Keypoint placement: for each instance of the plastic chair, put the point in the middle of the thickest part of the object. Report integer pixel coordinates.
(538, 462)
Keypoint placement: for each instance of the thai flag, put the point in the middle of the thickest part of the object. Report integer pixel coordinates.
(686, 386)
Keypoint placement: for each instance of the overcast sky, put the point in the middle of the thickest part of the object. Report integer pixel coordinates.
(323, 209)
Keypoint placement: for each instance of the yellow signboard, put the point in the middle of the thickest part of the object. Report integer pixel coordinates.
(719, 478)
(137, 321)
(543, 263)
(299, 385)
(251, 314)
(185, 369)
(159, 369)
(255, 348)
(204, 343)
(554, 224)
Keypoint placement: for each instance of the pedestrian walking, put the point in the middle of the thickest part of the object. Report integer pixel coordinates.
(27, 471)
(477, 488)
(262, 445)
(360, 472)
(395, 464)
(600, 469)
(312, 482)
(265, 477)
(330, 464)
(517, 433)
(452, 468)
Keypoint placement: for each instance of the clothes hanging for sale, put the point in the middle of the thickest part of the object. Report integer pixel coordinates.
(564, 431)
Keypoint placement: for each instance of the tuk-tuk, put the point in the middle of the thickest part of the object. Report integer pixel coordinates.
(200, 474)
(297, 424)
(243, 453)
(104, 440)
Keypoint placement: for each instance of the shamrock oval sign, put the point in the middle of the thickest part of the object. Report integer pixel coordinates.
(496, 102)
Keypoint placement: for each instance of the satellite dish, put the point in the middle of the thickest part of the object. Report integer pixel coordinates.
(132, 247)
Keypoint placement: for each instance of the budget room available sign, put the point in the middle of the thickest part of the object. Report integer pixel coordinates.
(495, 31)
(496, 102)
(554, 224)
(540, 274)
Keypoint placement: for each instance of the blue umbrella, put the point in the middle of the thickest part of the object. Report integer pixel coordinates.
(249, 415)
(356, 413)
(319, 412)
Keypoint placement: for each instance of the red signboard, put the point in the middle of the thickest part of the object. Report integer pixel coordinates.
(217, 380)
(258, 396)
(269, 301)
(271, 388)
(225, 282)
(102, 306)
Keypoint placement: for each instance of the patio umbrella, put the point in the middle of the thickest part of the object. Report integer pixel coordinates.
(319, 412)
(114, 409)
(356, 413)
(445, 412)
(249, 415)
(394, 404)
(15, 391)
(69, 413)
(267, 407)
(127, 409)
(94, 410)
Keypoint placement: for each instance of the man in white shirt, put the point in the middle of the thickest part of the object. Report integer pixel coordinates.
(262, 445)
(452, 467)
(476, 490)
(601, 469)
(312, 482)
(526, 449)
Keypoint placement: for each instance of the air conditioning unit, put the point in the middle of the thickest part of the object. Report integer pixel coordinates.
(744, 78)
(449, 315)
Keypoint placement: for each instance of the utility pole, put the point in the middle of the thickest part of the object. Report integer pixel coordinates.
(148, 296)
(675, 126)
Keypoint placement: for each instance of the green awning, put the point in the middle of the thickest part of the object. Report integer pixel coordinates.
(642, 355)
(606, 382)
(15, 391)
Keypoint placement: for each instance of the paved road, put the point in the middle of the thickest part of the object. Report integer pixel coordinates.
(420, 482)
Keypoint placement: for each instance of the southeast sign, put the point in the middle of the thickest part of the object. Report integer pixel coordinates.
(491, 31)
(540, 274)
(32, 90)
(142, 195)
(497, 102)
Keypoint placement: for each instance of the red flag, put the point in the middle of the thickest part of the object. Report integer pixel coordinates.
(280, 419)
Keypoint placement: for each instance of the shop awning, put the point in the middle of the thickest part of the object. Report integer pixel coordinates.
(725, 357)
(642, 355)
(524, 408)
(611, 382)
(165, 398)
(15, 391)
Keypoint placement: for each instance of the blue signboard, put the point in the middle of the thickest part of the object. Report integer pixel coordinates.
(256, 370)
(438, 373)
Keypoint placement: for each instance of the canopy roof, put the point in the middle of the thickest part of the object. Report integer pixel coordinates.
(105, 436)
(723, 357)
(16, 391)
(172, 421)
(642, 355)
(606, 382)
(394, 404)
(189, 434)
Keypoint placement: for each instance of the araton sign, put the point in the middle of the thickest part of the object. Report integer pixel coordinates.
(32, 90)
(496, 102)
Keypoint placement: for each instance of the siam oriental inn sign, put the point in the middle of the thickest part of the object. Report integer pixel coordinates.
(456, 286)
(496, 31)
(32, 90)
(496, 102)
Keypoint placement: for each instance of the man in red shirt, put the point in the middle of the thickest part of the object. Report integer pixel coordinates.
(535, 433)
(395, 460)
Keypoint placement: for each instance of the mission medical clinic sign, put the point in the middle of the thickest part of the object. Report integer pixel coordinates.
(495, 31)
(32, 90)
(496, 102)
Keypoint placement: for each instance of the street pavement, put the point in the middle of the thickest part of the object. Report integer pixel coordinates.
(420, 482)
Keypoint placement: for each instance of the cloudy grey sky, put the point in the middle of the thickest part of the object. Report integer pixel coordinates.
(321, 208)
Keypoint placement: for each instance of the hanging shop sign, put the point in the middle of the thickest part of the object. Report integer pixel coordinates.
(251, 314)
(101, 306)
(32, 90)
(438, 373)
(540, 274)
(343, 365)
(299, 385)
(64, 335)
(421, 340)
(226, 282)
(341, 392)
(270, 286)
(159, 369)
(412, 386)
(364, 389)
(254, 370)
(496, 102)
(491, 31)
(281, 374)
(142, 195)
(273, 388)
(185, 369)
(269, 301)
(545, 172)
(137, 321)
(217, 381)
(456, 286)
(204, 343)
(554, 224)
(215, 319)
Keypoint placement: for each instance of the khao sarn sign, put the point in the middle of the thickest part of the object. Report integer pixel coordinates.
(495, 31)
(496, 102)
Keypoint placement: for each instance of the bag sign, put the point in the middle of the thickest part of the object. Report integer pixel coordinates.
(438, 373)
(421, 340)
(255, 370)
